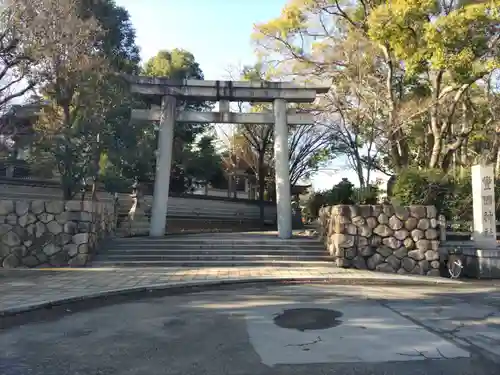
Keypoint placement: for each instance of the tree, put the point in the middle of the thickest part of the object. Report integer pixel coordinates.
(418, 68)
(449, 48)
(69, 68)
(142, 137)
(117, 41)
(254, 143)
(204, 167)
(179, 64)
(117, 44)
(16, 79)
(310, 147)
(74, 56)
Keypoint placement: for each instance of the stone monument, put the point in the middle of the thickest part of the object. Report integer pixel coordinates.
(483, 201)
(483, 260)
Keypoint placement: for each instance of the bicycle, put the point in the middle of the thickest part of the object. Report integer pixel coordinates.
(455, 263)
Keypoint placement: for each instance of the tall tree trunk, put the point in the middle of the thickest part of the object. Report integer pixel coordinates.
(359, 164)
(67, 186)
(96, 168)
(66, 173)
(497, 162)
(463, 158)
(437, 141)
(94, 190)
(398, 146)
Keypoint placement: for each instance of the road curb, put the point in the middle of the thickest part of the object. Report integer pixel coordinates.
(185, 287)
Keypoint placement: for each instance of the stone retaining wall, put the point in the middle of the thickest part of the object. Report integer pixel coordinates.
(37, 233)
(383, 237)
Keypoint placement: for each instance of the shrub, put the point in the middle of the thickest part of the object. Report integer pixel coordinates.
(421, 187)
(342, 193)
(452, 196)
(367, 195)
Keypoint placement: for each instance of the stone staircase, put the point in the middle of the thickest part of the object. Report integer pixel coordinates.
(213, 250)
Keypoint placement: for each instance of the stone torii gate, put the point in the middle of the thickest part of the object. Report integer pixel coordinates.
(224, 92)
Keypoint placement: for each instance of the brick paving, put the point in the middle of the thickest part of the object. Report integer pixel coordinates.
(24, 289)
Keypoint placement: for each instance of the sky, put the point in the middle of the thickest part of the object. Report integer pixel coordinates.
(217, 33)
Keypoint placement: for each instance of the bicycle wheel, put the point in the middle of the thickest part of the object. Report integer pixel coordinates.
(455, 267)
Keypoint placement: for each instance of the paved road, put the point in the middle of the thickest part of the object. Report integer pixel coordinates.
(24, 288)
(306, 329)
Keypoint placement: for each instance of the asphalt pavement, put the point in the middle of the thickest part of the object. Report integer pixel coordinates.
(266, 329)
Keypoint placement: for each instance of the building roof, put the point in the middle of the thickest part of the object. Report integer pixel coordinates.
(19, 118)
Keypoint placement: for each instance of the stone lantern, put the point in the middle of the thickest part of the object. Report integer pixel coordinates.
(137, 214)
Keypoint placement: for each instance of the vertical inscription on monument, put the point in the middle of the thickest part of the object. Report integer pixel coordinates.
(483, 197)
(488, 206)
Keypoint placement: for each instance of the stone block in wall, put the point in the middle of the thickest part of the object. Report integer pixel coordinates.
(359, 262)
(6, 207)
(408, 264)
(373, 261)
(402, 213)
(411, 223)
(385, 267)
(382, 237)
(343, 240)
(383, 230)
(366, 251)
(392, 242)
(416, 254)
(394, 261)
(384, 251)
(52, 233)
(54, 207)
(395, 223)
(401, 253)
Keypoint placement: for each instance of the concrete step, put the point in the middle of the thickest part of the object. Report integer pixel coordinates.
(213, 249)
(209, 263)
(214, 246)
(214, 238)
(215, 256)
(226, 251)
(123, 232)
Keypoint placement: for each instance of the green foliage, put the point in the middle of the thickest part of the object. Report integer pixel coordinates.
(176, 64)
(179, 64)
(205, 164)
(451, 196)
(341, 193)
(200, 165)
(409, 69)
(85, 101)
(420, 33)
(111, 177)
(421, 187)
(366, 195)
(190, 161)
(118, 41)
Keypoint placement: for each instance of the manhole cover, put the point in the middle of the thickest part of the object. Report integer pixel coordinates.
(308, 319)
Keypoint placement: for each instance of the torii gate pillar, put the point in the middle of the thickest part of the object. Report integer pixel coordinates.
(283, 194)
(163, 166)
